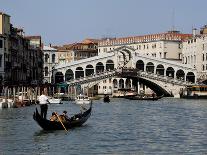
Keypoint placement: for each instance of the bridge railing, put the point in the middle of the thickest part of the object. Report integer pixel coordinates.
(163, 78)
(91, 78)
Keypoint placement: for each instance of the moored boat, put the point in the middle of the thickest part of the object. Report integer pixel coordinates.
(194, 92)
(82, 99)
(55, 101)
(152, 98)
(75, 121)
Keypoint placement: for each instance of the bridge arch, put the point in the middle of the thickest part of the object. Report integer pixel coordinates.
(180, 74)
(160, 69)
(59, 77)
(140, 65)
(79, 72)
(89, 70)
(170, 72)
(99, 67)
(109, 65)
(69, 75)
(190, 76)
(150, 67)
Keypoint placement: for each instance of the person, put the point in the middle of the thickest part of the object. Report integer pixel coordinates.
(53, 117)
(65, 115)
(43, 101)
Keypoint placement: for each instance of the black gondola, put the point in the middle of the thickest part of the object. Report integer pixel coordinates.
(75, 121)
(106, 98)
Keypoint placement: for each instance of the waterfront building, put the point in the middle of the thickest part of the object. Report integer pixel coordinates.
(4, 47)
(163, 45)
(195, 52)
(77, 51)
(50, 60)
(20, 57)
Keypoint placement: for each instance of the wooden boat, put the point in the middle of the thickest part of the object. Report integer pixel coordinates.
(106, 98)
(143, 98)
(75, 121)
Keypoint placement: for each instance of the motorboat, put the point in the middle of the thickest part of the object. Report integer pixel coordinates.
(55, 100)
(82, 99)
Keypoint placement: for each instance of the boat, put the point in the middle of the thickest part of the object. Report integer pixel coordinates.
(144, 98)
(6, 103)
(106, 98)
(75, 121)
(194, 92)
(55, 101)
(82, 99)
(124, 92)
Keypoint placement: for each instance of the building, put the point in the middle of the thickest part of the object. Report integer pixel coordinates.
(50, 60)
(164, 45)
(20, 61)
(195, 52)
(4, 47)
(77, 51)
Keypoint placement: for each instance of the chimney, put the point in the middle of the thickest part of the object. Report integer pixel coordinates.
(194, 31)
(50, 45)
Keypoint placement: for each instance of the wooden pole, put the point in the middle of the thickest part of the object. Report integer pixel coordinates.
(61, 121)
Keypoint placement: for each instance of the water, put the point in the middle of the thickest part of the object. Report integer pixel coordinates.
(167, 126)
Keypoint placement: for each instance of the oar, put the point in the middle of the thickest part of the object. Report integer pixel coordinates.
(61, 121)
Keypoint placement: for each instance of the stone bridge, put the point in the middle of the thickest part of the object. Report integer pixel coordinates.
(165, 75)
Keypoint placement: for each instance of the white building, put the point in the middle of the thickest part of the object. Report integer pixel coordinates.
(50, 60)
(195, 53)
(163, 45)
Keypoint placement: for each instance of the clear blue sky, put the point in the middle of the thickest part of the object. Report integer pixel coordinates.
(66, 21)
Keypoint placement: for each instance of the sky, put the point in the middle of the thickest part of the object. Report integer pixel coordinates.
(67, 21)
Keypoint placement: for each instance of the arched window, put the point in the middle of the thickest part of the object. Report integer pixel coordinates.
(46, 71)
(46, 57)
(53, 58)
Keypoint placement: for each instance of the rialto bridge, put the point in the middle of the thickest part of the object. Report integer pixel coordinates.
(161, 75)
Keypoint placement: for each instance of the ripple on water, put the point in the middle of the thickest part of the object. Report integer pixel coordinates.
(166, 126)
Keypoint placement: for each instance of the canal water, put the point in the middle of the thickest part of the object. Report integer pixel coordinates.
(166, 126)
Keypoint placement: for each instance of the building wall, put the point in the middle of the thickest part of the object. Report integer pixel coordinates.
(4, 23)
(166, 45)
(195, 54)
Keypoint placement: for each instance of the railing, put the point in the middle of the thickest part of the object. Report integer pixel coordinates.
(92, 78)
(129, 72)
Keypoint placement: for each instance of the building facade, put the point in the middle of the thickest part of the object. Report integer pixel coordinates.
(20, 61)
(195, 52)
(164, 45)
(50, 60)
(77, 51)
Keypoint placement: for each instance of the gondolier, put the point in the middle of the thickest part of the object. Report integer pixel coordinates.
(43, 101)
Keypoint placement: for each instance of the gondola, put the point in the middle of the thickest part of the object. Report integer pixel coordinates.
(106, 98)
(143, 98)
(75, 121)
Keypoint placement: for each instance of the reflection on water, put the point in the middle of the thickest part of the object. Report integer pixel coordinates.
(166, 126)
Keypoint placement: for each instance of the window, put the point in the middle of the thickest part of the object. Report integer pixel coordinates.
(46, 57)
(53, 58)
(165, 54)
(1, 43)
(46, 71)
(0, 60)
